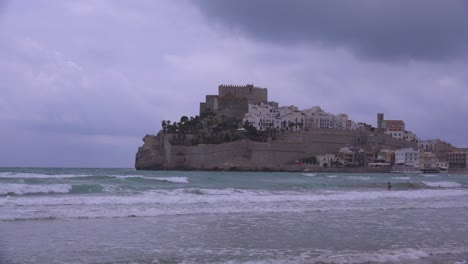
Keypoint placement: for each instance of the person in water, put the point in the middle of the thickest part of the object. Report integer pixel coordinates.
(389, 186)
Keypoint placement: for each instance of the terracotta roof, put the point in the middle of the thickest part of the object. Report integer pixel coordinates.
(394, 122)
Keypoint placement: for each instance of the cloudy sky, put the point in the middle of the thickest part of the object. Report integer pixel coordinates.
(81, 82)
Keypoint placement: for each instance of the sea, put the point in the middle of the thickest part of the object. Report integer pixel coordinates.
(64, 215)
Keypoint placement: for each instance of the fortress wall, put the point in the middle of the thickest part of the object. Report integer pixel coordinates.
(233, 107)
(276, 154)
(253, 94)
(259, 95)
(323, 141)
(205, 156)
(273, 155)
(387, 141)
(202, 108)
(301, 145)
(167, 151)
(211, 104)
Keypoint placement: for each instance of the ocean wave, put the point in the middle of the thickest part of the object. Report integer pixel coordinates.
(309, 174)
(363, 178)
(386, 255)
(401, 178)
(443, 184)
(332, 176)
(166, 179)
(21, 189)
(15, 175)
(173, 179)
(229, 201)
(196, 196)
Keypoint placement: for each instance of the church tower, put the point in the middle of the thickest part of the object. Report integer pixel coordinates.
(380, 118)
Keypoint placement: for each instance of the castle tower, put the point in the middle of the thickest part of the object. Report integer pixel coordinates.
(380, 119)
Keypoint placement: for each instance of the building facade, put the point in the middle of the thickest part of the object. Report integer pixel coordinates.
(457, 159)
(407, 157)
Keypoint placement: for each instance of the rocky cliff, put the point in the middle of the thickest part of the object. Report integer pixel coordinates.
(151, 155)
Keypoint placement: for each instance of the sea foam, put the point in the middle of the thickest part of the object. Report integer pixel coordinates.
(166, 179)
(15, 188)
(38, 176)
(443, 184)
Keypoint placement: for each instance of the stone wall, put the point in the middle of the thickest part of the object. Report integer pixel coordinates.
(389, 142)
(253, 94)
(322, 141)
(233, 107)
(158, 153)
(207, 156)
(276, 154)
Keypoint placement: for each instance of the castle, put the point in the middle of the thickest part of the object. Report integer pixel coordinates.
(233, 100)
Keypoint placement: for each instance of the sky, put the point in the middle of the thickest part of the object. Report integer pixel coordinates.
(81, 82)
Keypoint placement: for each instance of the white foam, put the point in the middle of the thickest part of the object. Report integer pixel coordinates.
(309, 174)
(167, 179)
(38, 176)
(206, 201)
(381, 256)
(401, 178)
(443, 184)
(332, 176)
(15, 188)
(363, 178)
(173, 179)
(403, 255)
(195, 195)
(428, 175)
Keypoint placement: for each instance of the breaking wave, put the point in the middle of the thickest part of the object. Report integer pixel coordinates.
(21, 189)
(165, 179)
(39, 176)
(443, 184)
(189, 201)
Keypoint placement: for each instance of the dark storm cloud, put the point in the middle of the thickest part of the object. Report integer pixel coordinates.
(382, 30)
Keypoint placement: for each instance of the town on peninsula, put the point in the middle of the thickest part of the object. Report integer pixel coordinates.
(239, 129)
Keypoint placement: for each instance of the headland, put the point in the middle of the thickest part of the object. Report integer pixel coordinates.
(239, 129)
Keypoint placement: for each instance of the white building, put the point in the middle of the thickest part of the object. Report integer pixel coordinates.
(291, 117)
(315, 117)
(329, 160)
(407, 157)
(342, 121)
(263, 116)
(402, 134)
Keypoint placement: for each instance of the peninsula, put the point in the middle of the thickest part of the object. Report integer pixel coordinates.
(239, 129)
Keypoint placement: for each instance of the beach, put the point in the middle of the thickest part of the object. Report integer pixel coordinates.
(127, 216)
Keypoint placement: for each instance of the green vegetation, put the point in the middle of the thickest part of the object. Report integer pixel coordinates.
(213, 129)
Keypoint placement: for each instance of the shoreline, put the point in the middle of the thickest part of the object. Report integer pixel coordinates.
(309, 169)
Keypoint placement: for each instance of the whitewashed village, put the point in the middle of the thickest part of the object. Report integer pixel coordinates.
(286, 135)
(430, 155)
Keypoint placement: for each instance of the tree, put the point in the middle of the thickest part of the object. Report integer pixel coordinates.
(184, 119)
(164, 126)
(250, 129)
